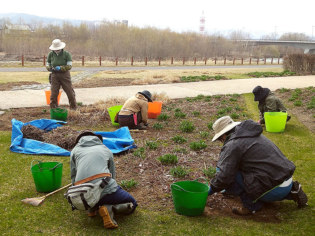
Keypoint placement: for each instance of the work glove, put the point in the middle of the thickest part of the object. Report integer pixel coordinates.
(57, 68)
(210, 192)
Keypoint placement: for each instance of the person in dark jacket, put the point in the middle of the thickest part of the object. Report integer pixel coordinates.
(91, 157)
(135, 111)
(268, 102)
(252, 167)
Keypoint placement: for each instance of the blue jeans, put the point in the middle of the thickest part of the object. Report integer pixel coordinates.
(118, 197)
(276, 194)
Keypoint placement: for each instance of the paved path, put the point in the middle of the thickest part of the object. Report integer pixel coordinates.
(36, 98)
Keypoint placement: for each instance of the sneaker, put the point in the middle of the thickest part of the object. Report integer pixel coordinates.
(298, 195)
(107, 220)
(242, 211)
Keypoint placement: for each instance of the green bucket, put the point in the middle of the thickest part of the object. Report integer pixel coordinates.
(47, 176)
(59, 114)
(112, 111)
(189, 197)
(275, 121)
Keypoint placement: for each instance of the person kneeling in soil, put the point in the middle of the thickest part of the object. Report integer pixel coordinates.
(252, 167)
(268, 102)
(135, 111)
(89, 158)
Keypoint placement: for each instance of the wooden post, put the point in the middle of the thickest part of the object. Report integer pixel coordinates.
(132, 60)
(257, 61)
(22, 60)
(159, 61)
(44, 61)
(195, 61)
(278, 60)
(183, 60)
(215, 61)
(172, 60)
(250, 60)
(233, 61)
(146, 61)
(265, 60)
(205, 61)
(82, 60)
(116, 60)
(224, 60)
(242, 60)
(100, 60)
(271, 60)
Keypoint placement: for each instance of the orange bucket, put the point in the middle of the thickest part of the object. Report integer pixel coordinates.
(47, 93)
(154, 109)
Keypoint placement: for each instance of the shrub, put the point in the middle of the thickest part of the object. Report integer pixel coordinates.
(179, 172)
(128, 184)
(197, 146)
(158, 126)
(152, 145)
(139, 153)
(163, 117)
(168, 159)
(186, 126)
(179, 139)
(210, 172)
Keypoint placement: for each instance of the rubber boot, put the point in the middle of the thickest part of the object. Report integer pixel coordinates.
(124, 208)
(106, 212)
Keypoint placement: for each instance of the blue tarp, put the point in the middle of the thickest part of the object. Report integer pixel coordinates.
(117, 141)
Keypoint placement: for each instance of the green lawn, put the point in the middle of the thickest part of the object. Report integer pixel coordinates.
(55, 217)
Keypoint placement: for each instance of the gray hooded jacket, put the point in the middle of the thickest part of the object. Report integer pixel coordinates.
(261, 163)
(90, 157)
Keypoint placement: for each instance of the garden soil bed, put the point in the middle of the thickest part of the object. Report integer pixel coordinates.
(141, 165)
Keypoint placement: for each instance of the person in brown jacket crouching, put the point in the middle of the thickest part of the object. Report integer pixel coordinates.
(135, 111)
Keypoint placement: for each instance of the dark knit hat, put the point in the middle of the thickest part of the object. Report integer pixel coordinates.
(87, 133)
(260, 93)
(147, 95)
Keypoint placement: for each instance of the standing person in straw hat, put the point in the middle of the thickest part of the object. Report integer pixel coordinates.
(59, 62)
(268, 102)
(252, 167)
(135, 111)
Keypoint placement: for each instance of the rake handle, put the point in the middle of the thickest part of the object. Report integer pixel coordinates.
(59, 189)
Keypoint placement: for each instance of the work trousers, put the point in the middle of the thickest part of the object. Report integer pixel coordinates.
(62, 79)
(128, 120)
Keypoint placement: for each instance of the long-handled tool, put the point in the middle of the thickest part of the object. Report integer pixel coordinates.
(36, 201)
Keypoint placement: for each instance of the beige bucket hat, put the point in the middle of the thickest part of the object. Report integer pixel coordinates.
(223, 125)
(57, 45)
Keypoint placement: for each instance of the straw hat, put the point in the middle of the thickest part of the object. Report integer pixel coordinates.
(57, 45)
(87, 133)
(223, 125)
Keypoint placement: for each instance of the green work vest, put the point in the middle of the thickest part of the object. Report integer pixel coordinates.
(62, 59)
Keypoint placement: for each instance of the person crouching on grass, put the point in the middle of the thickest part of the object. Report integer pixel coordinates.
(252, 167)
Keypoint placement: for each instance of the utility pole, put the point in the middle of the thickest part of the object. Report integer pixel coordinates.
(313, 26)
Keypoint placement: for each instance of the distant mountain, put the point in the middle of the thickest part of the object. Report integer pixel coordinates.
(21, 18)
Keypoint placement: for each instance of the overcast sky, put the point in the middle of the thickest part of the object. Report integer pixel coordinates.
(221, 16)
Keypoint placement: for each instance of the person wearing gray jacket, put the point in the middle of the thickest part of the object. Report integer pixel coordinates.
(253, 167)
(91, 157)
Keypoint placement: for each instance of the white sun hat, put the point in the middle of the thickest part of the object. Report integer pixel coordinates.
(223, 125)
(57, 45)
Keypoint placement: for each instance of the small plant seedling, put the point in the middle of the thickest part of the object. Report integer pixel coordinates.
(163, 117)
(152, 145)
(179, 139)
(140, 152)
(44, 110)
(197, 146)
(180, 150)
(209, 125)
(179, 172)
(284, 90)
(186, 126)
(196, 113)
(128, 184)
(207, 98)
(311, 104)
(235, 116)
(80, 104)
(180, 115)
(168, 159)
(210, 172)
(298, 103)
(157, 126)
(177, 110)
(204, 134)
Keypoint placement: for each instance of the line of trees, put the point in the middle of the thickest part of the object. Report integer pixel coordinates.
(117, 40)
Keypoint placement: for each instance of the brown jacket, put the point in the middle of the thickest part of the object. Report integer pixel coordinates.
(135, 104)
